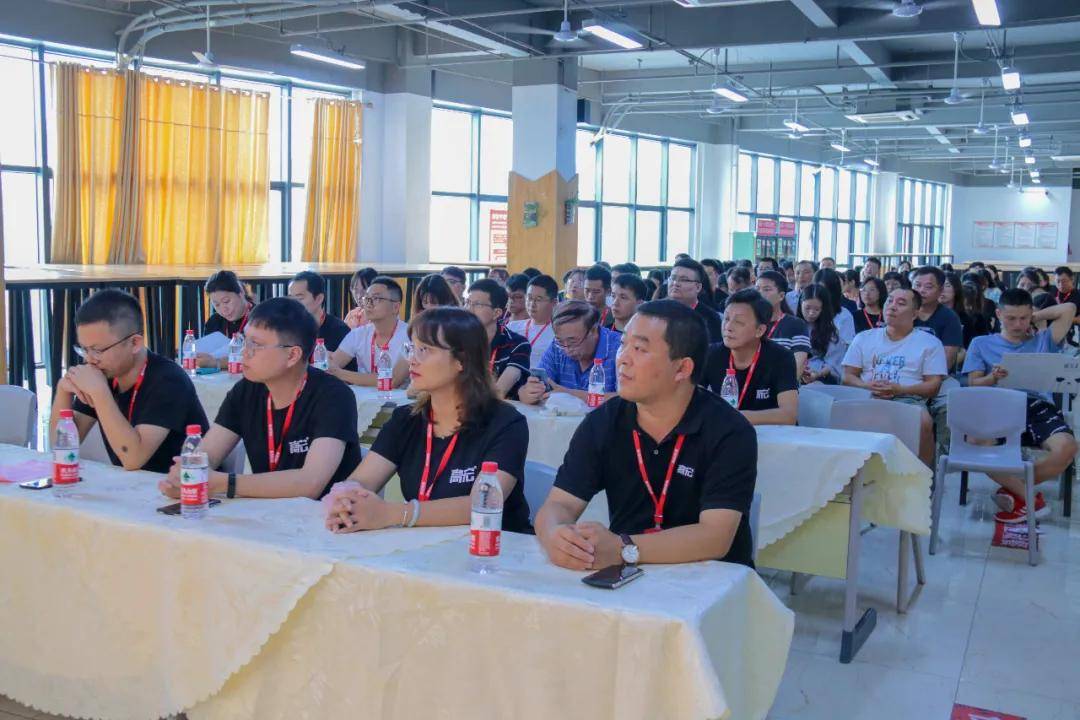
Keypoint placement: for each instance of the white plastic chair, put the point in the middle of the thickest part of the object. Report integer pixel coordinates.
(755, 515)
(538, 481)
(987, 413)
(902, 421)
(17, 422)
(815, 408)
(839, 392)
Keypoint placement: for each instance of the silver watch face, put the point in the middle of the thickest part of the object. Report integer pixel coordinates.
(630, 554)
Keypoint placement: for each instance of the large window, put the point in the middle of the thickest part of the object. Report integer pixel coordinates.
(829, 205)
(471, 151)
(28, 144)
(921, 209)
(639, 206)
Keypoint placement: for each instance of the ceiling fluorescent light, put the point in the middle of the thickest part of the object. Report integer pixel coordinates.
(1065, 158)
(1024, 140)
(987, 12)
(795, 126)
(871, 162)
(606, 33)
(1019, 115)
(1010, 78)
(1036, 180)
(1034, 174)
(326, 57)
(1029, 159)
(839, 147)
(727, 90)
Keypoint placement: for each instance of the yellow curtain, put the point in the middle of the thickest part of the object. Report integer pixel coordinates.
(159, 171)
(333, 190)
(90, 108)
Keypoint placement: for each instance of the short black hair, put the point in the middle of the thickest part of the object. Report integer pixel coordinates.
(516, 282)
(739, 274)
(744, 263)
(224, 281)
(627, 267)
(316, 285)
(1015, 297)
(531, 272)
(604, 264)
(874, 259)
(714, 264)
(851, 276)
(937, 272)
(1064, 270)
(285, 316)
(633, 283)
(1030, 274)
(901, 278)
(364, 275)
(685, 334)
(116, 308)
(916, 297)
(547, 284)
(777, 278)
(574, 310)
(749, 296)
(496, 293)
(599, 272)
(768, 259)
(390, 284)
(571, 272)
(455, 272)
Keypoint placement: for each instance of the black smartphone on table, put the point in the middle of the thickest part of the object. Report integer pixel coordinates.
(614, 576)
(174, 509)
(541, 375)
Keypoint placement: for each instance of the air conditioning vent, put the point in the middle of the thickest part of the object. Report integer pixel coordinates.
(885, 118)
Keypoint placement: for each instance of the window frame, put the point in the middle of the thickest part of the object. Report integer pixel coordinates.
(931, 235)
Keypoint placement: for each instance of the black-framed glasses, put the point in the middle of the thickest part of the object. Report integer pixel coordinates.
(88, 353)
(370, 301)
(469, 305)
(250, 346)
(681, 280)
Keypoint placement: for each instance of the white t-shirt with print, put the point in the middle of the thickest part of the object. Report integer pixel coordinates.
(904, 362)
(540, 338)
(358, 344)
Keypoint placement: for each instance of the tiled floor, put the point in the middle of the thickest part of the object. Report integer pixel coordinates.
(987, 630)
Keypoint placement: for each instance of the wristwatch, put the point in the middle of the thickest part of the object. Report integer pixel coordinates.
(630, 552)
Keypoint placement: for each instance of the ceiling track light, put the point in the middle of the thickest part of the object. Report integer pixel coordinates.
(327, 57)
(728, 90)
(1029, 159)
(612, 36)
(1010, 78)
(1019, 115)
(841, 147)
(1024, 140)
(987, 12)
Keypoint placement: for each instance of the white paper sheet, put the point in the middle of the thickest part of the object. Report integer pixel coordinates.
(216, 345)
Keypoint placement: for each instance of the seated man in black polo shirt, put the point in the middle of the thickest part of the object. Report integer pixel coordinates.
(764, 370)
(144, 402)
(510, 353)
(678, 464)
(309, 289)
(688, 284)
(628, 292)
(297, 423)
(598, 292)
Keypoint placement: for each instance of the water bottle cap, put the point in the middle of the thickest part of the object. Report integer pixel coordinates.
(731, 371)
(189, 332)
(194, 430)
(597, 361)
(67, 414)
(320, 341)
(489, 467)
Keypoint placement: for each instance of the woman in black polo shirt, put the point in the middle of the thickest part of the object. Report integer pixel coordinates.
(231, 305)
(437, 445)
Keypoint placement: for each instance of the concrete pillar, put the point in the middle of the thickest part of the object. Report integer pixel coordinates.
(717, 166)
(883, 212)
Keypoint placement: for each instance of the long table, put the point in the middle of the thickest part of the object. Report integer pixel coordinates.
(111, 610)
(171, 296)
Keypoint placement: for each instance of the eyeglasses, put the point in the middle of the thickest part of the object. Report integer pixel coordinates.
(571, 344)
(419, 352)
(88, 353)
(250, 346)
(682, 280)
(469, 305)
(369, 300)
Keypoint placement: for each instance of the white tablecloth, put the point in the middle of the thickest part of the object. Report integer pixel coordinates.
(108, 609)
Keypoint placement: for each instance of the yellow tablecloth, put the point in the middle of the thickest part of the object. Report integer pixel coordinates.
(108, 609)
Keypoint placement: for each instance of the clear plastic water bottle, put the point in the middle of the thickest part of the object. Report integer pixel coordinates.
(236, 354)
(597, 383)
(187, 353)
(385, 368)
(486, 526)
(65, 449)
(194, 476)
(320, 356)
(729, 390)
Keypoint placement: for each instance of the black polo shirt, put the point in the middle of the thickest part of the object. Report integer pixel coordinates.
(501, 436)
(166, 399)
(508, 349)
(866, 320)
(325, 409)
(716, 470)
(333, 330)
(228, 328)
(713, 322)
(774, 374)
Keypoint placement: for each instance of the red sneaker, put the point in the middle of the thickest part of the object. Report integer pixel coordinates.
(1019, 513)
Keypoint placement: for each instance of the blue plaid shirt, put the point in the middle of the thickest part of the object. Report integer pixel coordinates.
(567, 372)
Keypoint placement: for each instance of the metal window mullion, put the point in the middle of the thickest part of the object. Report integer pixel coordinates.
(631, 221)
(598, 176)
(45, 243)
(286, 197)
(474, 181)
(665, 181)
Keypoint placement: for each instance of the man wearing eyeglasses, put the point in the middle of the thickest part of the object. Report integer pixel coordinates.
(688, 284)
(142, 401)
(297, 423)
(385, 331)
(455, 278)
(509, 352)
(540, 299)
(579, 340)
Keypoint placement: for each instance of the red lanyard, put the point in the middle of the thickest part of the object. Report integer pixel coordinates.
(603, 317)
(528, 324)
(243, 320)
(383, 347)
(134, 390)
(870, 324)
(275, 451)
(425, 490)
(773, 329)
(749, 373)
(1059, 300)
(658, 505)
(491, 362)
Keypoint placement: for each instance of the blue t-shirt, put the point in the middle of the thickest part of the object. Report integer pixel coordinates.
(567, 372)
(945, 325)
(986, 351)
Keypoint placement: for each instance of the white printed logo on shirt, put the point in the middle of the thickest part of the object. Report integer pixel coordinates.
(887, 368)
(299, 447)
(462, 475)
(685, 471)
(763, 394)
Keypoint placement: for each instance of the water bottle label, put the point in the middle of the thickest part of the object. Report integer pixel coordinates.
(235, 367)
(596, 399)
(65, 467)
(189, 362)
(321, 365)
(732, 400)
(194, 487)
(486, 534)
(386, 380)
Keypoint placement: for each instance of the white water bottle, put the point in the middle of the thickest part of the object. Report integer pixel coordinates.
(194, 476)
(729, 390)
(187, 353)
(320, 357)
(486, 526)
(597, 383)
(65, 449)
(236, 354)
(385, 370)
